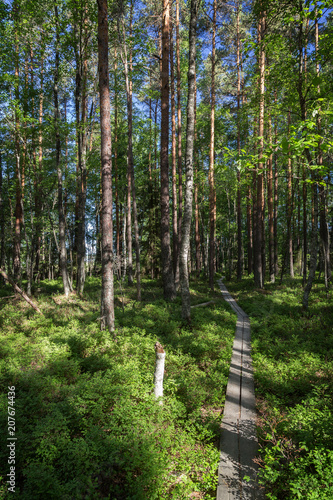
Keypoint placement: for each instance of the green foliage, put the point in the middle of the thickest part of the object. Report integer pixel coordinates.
(87, 423)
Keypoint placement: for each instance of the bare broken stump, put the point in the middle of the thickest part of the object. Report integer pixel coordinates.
(159, 371)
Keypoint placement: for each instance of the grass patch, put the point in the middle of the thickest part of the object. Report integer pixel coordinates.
(87, 424)
(292, 354)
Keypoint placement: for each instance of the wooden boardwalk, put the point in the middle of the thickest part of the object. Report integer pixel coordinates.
(239, 446)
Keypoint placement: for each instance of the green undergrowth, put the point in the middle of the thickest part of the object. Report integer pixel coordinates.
(87, 423)
(292, 352)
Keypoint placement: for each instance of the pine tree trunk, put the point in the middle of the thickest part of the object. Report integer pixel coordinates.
(239, 207)
(167, 271)
(187, 216)
(258, 269)
(211, 181)
(151, 222)
(290, 209)
(116, 153)
(107, 303)
(276, 181)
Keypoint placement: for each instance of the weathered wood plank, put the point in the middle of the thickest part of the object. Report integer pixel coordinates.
(239, 444)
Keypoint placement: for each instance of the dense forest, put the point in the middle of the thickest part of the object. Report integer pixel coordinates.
(147, 148)
(220, 144)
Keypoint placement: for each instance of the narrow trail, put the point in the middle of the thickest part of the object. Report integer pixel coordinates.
(237, 471)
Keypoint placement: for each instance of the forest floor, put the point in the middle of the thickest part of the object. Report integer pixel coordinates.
(292, 352)
(86, 420)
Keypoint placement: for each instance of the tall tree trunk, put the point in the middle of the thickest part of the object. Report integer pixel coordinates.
(187, 216)
(314, 248)
(276, 181)
(116, 90)
(2, 221)
(175, 237)
(258, 269)
(81, 120)
(62, 223)
(18, 180)
(290, 208)
(179, 128)
(249, 229)
(254, 196)
(107, 302)
(167, 271)
(211, 181)
(130, 162)
(324, 233)
(38, 197)
(239, 194)
(302, 75)
(196, 187)
(270, 206)
(129, 153)
(151, 223)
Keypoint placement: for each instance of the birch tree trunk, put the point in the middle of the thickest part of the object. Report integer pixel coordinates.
(62, 222)
(313, 250)
(179, 130)
(270, 207)
(2, 220)
(187, 215)
(107, 302)
(196, 188)
(81, 123)
(175, 236)
(18, 180)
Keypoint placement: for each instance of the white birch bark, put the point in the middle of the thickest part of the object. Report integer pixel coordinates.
(159, 371)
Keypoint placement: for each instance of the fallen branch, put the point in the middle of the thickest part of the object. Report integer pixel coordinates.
(21, 292)
(203, 304)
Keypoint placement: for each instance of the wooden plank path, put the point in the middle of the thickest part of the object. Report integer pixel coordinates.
(239, 444)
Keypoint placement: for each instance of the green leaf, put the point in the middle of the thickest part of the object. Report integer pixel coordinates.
(284, 145)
